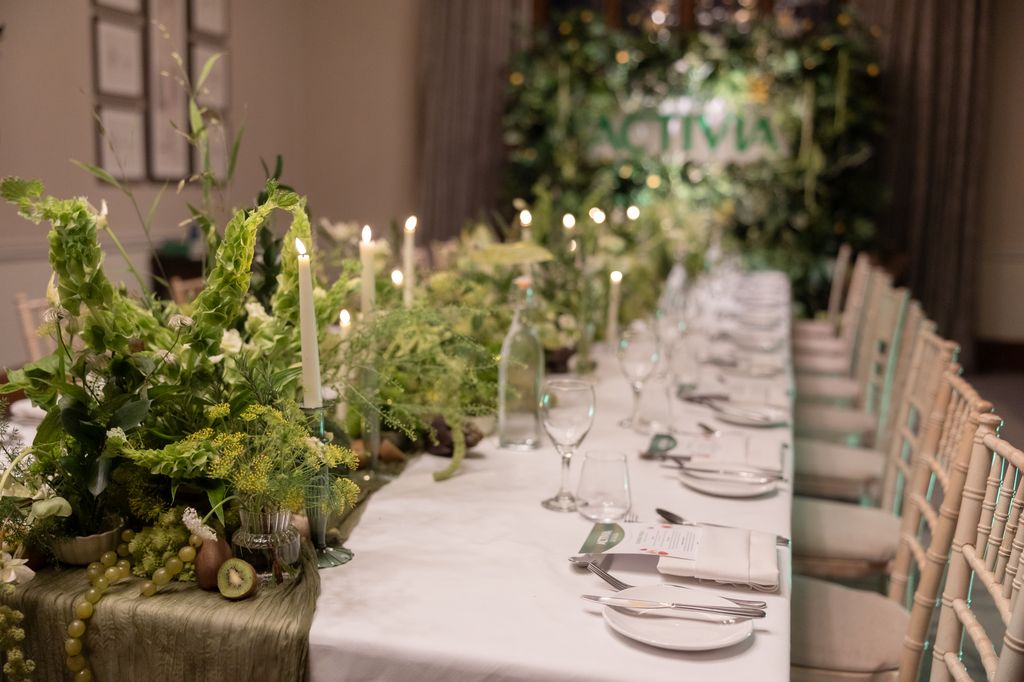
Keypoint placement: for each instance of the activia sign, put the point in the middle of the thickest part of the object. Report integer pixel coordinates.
(681, 129)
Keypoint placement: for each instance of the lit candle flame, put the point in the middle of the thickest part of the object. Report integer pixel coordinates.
(525, 218)
(616, 276)
(300, 247)
(410, 224)
(397, 277)
(367, 234)
(568, 221)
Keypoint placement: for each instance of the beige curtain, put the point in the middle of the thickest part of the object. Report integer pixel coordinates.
(935, 60)
(465, 46)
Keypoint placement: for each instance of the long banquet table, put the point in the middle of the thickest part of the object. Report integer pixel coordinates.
(469, 579)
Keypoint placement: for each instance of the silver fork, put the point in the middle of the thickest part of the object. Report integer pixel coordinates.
(620, 585)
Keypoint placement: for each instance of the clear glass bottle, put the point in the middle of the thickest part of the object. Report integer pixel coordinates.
(520, 377)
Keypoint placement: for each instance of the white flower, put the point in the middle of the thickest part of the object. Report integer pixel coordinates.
(318, 447)
(167, 356)
(179, 321)
(117, 434)
(95, 383)
(231, 341)
(190, 517)
(256, 311)
(14, 570)
(55, 314)
(340, 232)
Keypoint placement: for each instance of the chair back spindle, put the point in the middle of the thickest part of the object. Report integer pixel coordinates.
(839, 274)
(986, 553)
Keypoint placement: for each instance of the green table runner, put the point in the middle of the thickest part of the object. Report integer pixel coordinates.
(181, 633)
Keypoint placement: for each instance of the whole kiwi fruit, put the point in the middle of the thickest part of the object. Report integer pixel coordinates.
(237, 579)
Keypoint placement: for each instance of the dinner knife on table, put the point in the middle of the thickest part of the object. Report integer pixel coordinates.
(641, 604)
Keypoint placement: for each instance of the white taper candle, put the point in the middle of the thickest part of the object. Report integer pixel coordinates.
(614, 300)
(366, 248)
(311, 397)
(409, 260)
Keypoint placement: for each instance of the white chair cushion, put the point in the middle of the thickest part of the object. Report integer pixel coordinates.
(842, 629)
(837, 530)
(822, 364)
(832, 419)
(809, 329)
(820, 346)
(823, 459)
(818, 387)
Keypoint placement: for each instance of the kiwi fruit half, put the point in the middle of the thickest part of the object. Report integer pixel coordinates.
(237, 579)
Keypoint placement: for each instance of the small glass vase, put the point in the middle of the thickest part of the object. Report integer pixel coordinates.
(268, 541)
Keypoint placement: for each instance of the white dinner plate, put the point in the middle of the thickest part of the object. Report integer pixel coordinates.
(673, 629)
(722, 488)
(737, 413)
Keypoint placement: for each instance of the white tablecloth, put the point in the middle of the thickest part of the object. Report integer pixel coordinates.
(469, 579)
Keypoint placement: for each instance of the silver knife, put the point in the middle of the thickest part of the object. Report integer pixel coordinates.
(751, 475)
(641, 604)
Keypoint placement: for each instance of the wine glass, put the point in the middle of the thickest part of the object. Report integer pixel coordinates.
(639, 353)
(567, 407)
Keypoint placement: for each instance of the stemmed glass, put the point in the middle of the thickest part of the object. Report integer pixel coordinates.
(639, 353)
(567, 407)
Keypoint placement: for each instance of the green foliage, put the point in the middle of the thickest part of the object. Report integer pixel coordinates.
(423, 363)
(788, 213)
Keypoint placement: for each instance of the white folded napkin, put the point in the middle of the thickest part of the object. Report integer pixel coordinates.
(730, 555)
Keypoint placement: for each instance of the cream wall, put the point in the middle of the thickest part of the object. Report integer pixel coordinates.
(329, 85)
(1001, 268)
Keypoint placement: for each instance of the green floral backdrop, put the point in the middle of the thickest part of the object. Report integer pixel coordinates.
(819, 84)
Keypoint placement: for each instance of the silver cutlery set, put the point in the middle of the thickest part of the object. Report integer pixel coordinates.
(742, 609)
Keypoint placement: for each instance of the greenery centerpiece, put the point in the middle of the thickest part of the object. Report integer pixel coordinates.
(138, 393)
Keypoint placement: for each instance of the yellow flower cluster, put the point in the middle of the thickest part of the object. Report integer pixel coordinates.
(218, 411)
(230, 451)
(258, 411)
(253, 479)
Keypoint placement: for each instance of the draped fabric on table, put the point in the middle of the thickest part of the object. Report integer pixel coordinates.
(181, 633)
(464, 48)
(935, 55)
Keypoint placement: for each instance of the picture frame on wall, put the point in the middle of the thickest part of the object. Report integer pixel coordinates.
(118, 59)
(128, 6)
(214, 93)
(121, 142)
(210, 17)
(168, 101)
